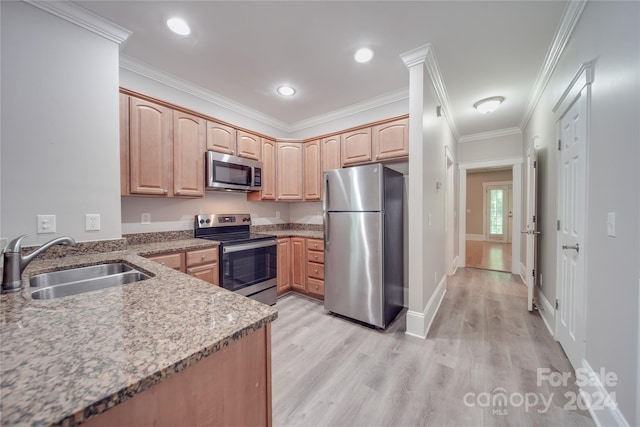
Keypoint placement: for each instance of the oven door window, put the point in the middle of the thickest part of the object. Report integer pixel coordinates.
(248, 267)
(231, 173)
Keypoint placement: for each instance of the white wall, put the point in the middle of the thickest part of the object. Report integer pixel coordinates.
(608, 33)
(306, 212)
(59, 138)
(501, 147)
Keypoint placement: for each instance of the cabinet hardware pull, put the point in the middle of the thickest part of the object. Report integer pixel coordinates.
(190, 270)
(203, 256)
(165, 191)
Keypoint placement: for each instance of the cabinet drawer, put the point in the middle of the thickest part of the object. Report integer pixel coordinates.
(315, 256)
(206, 272)
(315, 245)
(315, 286)
(175, 260)
(315, 270)
(202, 256)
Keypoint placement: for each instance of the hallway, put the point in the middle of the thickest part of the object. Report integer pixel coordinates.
(328, 371)
(489, 255)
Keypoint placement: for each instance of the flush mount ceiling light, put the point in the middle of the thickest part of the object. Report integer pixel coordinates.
(488, 105)
(363, 55)
(179, 26)
(286, 90)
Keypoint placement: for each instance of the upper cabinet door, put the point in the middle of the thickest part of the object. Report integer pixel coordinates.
(330, 148)
(248, 145)
(221, 138)
(312, 171)
(188, 155)
(150, 147)
(289, 171)
(391, 140)
(356, 147)
(124, 144)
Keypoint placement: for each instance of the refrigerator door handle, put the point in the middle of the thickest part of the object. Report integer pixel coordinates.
(326, 193)
(327, 235)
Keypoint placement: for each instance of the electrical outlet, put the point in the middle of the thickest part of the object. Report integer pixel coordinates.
(46, 224)
(277, 214)
(92, 222)
(145, 218)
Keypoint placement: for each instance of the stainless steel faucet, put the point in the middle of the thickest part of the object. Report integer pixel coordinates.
(15, 263)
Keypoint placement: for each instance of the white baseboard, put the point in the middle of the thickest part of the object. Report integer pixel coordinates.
(455, 265)
(523, 273)
(546, 310)
(405, 297)
(476, 237)
(608, 414)
(418, 324)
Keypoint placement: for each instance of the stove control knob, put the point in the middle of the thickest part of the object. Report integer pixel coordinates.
(208, 221)
(202, 221)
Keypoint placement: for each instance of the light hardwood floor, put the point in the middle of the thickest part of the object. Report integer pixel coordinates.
(488, 255)
(329, 371)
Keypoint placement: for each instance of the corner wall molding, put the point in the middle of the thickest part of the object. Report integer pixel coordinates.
(425, 55)
(489, 135)
(569, 20)
(350, 110)
(418, 324)
(83, 18)
(145, 70)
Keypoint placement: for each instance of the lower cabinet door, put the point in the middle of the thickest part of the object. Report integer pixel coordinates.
(206, 272)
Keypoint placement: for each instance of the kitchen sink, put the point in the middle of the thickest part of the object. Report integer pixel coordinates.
(58, 284)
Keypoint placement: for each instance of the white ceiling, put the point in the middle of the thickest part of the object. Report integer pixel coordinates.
(244, 50)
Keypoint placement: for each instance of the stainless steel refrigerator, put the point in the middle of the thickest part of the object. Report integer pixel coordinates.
(363, 261)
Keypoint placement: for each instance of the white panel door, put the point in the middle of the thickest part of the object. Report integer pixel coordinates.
(497, 212)
(572, 207)
(531, 230)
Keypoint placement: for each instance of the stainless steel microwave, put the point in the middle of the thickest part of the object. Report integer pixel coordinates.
(231, 173)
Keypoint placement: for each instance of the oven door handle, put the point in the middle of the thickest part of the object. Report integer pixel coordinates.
(248, 246)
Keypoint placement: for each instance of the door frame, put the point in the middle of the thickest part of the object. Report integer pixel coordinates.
(580, 86)
(450, 213)
(516, 164)
(485, 218)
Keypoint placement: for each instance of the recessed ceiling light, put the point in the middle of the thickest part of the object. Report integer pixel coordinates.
(286, 90)
(363, 55)
(179, 26)
(488, 105)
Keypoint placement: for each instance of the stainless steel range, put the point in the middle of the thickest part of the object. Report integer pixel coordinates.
(248, 264)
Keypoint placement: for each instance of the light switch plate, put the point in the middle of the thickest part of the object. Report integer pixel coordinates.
(611, 224)
(145, 218)
(46, 224)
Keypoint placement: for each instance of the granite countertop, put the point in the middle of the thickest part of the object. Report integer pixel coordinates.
(298, 233)
(146, 249)
(66, 359)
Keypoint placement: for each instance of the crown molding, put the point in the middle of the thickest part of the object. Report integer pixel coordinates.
(83, 18)
(359, 107)
(489, 135)
(567, 25)
(425, 55)
(145, 70)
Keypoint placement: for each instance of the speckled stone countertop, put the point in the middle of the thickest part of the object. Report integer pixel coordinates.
(298, 233)
(146, 249)
(65, 359)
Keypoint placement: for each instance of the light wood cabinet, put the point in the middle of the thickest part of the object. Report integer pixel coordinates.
(312, 171)
(315, 267)
(289, 171)
(150, 148)
(200, 263)
(268, 191)
(248, 145)
(283, 279)
(356, 147)
(173, 260)
(221, 138)
(391, 140)
(188, 155)
(330, 148)
(298, 264)
(241, 372)
(124, 144)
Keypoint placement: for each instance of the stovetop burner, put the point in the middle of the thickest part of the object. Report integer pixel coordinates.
(230, 228)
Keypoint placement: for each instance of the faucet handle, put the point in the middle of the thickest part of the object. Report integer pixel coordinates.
(15, 246)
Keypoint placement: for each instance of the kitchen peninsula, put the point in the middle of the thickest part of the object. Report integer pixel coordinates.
(168, 350)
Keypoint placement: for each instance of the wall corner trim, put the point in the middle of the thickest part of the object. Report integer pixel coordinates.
(83, 18)
(569, 20)
(609, 413)
(418, 324)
